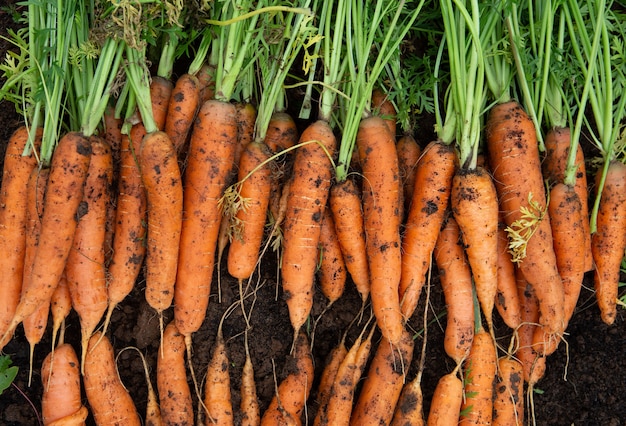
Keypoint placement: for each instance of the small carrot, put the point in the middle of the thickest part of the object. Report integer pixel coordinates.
(113, 133)
(108, 399)
(181, 111)
(345, 204)
(445, 405)
(282, 132)
(174, 392)
(250, 410)
(60, 308)
(409, 410)
(16, 173)
(160, 94)
(308, 194)
(455, 277)
(332, 272)
(507, 300)
(408, 156)
(508, 403)
(386, 376)
(327, 378)
(609, 241)
(433, 182)
(381, 212)
(64, 194)
(246, 118)
(293, 391)
(61, 402)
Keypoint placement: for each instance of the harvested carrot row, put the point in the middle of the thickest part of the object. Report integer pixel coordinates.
(332, 272)
(109, 400)
(433, 182)
(445, 405)
(508, 403)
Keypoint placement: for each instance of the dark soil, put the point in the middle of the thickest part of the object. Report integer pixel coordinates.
(584, 383)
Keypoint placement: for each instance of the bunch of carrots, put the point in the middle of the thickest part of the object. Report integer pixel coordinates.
(152, 171)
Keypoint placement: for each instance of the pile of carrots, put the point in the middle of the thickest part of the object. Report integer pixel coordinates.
(152, 175)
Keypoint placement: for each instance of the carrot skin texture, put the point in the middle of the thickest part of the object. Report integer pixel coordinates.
(609, 241)
(347, 212)
(217, 396)
(410, 406)
(60, 306)
(508, 404)
(182, 109)
(306, 201)
(445, 405)
(507, 300)
(15, 175)
(381, 212)
(201, 216)
(408, 157)
(160, 94)
(109, 400)
(456, 281)
(475, 207)
(243, 254)
(430, 197)
(246, 117)
(61, 400)
(332, 274)
(174, 393)
(164, 194)
(514, 159)
(282, 132)
(386, 376)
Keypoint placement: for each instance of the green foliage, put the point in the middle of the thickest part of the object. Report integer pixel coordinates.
(7, 373)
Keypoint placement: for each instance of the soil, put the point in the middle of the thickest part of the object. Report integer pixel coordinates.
(584, 382)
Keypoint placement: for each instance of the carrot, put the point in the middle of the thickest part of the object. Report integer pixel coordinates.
(181, 111)
(282, 132)
(331, 367)
(246, 118)
(64, 194)
(174, 393)
(113, 133)
(332, 273)
(507, 300)
(385, 378)
(455, 277)
(381, 212)
(475, 207)
(433, 182)
(409, 410)
(514, 160)
(445, 405)
(384, 108)
(108, 399)
(250, 410)
(206, 78)
(408, 157)
(609, 241)
(164, 193)
(345, 204)
(290, 400)
(15, 175)
(480, 373)
(508, 403)
(61, 402)
(306, 200)
(84, 269)
(129, 230)
(211, 152)
(153, 411)
(557, 144)
(160, 93)
(60, 308)
(254, 189)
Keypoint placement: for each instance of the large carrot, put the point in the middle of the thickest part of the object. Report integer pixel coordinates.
(61, 403)
(385, 378)
(110, 402)
(433, 182)
(609, 241)
(516, 168)
(475, 207)
(456, 282)
(210, 158)
(84, 269)
(16, 173)
(64, 194)
(306, 201)
(381, 212)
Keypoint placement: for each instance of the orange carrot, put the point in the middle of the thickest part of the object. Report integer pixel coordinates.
(249, 224)
(210, 159)
(381, 212)
(331, 367)
(332, 271)
(609, 241)
(445, 405)
(384, 108)
(433, 181)
(409, 410)
(408, 156)
(557, 142)
(508, 403)
(62, 401)
(456, 282)
(113, 133)
(514, 160)
(60, 308)
(293, 391)
(109, 400)
(64, 194)
(345, 203)
(181, 111)
(281, 133)
(250, 410)
(306, 201)
(475, 207)
(246, 117)
(16, 173)
(385, 378)
(164, 193)
(84, 269)
(174, 392)
(507, 300)
(160, 94)
(480, 373)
